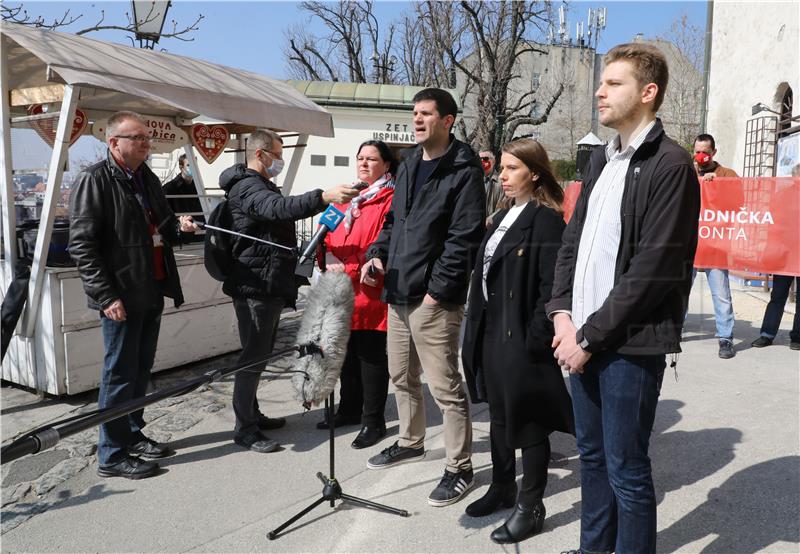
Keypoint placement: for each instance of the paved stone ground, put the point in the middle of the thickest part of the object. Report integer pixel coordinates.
(726, 455)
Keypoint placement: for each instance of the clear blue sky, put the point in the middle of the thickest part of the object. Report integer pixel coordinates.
(250, 35)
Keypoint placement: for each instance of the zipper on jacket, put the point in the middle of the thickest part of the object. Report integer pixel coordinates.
(626, 196)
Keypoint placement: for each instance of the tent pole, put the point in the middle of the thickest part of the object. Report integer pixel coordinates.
(197, 179)
(8, 214)
(294, 165)
(52, 193)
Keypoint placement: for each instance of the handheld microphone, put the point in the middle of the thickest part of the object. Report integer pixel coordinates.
(328, 221)
(325, 324)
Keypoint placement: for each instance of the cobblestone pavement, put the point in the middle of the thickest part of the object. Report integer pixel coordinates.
(40, 482)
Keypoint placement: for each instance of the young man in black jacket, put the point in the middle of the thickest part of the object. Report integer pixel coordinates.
(183, 184)
(425, 253)
(621, 287)
(262, 281)
(121, 235)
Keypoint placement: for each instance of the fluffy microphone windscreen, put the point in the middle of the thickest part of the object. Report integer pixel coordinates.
(326, 323)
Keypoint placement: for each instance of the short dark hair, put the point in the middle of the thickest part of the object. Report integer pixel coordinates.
(181, 159)
(649, 66)
(705, 137)
(386, 153)
(445, 103)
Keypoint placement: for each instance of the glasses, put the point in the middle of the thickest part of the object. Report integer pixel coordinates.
(273, 154)
(137, 138)
(485, 159)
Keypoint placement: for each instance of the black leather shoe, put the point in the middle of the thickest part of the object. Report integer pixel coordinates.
(267, 423)
(150, 449)
(571, 551)
(129, 468)
(368, 436)
(340, 421)
(499, 494)
(761, 342)
(257, 442)
(521, 524)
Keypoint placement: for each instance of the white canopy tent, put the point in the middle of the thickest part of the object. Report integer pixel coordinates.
(48, 67)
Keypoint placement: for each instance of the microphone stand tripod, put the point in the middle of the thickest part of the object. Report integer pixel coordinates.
(331, 489)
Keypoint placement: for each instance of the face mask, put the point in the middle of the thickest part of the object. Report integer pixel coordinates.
(702, 158)
(276, 167)
(486, 165)
(187, 171)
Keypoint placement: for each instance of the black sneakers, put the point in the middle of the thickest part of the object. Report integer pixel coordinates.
(150, 449)
(257, 442)
(395, 455)
(268, 423)
(726, 351)
(129, 468)
(451, 488)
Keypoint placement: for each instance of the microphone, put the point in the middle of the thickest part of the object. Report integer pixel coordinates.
(328, 221)
(326, 325)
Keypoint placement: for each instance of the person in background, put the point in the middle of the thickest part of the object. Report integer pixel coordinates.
(718, 282)
(365, 372)
(183, 183)
(507, 355)
(263, 282)
(121, 235)
(774, 312)
(490, 184)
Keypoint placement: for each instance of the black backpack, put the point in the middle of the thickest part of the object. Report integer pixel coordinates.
(218, 247)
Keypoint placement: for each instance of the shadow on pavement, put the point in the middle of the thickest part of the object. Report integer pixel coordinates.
(755, 508)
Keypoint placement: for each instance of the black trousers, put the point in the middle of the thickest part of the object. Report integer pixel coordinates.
(258, 324)
(365, 377)
(535, 459)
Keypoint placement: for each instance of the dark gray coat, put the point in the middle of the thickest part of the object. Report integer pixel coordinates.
(260, 210)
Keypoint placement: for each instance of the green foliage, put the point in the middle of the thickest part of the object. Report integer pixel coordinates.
(565, 170)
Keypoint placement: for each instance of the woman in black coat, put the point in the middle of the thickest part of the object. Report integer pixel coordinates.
(507, 354)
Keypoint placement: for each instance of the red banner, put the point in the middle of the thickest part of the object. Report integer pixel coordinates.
(745, 224)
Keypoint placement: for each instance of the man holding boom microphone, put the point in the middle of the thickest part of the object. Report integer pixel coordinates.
(262, 281)
(426, 251)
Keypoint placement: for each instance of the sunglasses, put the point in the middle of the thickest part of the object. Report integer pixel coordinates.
(485, 159)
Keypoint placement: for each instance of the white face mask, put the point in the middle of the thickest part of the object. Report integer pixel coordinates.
(276, 167)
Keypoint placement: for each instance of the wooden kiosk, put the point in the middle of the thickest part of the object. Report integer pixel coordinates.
(57, 345)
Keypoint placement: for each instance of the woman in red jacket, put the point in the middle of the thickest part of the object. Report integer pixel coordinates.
(365, 373)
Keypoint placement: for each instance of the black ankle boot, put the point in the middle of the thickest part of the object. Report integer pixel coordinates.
(523, 523)
(499, 494)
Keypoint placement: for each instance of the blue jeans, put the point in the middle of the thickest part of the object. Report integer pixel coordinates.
(130, 348)
(774, 312)
(720, 287)
(614, 401)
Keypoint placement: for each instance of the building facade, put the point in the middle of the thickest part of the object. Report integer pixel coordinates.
(754, 60)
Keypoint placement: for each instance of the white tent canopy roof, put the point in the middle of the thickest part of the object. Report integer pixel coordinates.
(114, 77)
(590, 139)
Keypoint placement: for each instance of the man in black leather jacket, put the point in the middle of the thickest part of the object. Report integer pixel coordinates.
(121, 237)
(262, 281)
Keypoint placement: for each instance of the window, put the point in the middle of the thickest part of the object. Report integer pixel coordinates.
(341, 161)
(317, 159)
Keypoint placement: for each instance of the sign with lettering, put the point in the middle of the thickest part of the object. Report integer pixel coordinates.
(46, 128)
(745, 224)
(395, 132)
(209, 140)
(165, 135)
(331, 217)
